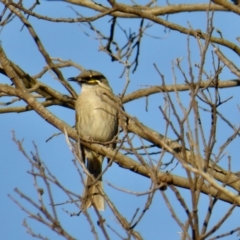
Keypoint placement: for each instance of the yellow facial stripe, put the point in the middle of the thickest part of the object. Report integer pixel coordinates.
(93, 81)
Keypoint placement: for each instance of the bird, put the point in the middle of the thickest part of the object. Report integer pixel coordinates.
(97, 119)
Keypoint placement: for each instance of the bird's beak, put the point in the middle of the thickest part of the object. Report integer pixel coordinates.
(72, 79)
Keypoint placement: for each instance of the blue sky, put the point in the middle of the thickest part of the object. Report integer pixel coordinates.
(68, 41)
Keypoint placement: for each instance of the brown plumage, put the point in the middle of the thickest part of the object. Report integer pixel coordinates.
(96, 119)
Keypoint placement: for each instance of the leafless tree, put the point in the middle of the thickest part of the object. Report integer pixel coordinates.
(184, 156)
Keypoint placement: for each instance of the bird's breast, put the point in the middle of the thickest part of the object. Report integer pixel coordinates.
(96, 118)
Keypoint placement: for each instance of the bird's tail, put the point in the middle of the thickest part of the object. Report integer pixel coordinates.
(92, 195)
(92, 192)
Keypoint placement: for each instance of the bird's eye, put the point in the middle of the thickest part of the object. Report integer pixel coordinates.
(98, 77)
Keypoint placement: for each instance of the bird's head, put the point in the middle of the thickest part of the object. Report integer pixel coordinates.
(91, 78)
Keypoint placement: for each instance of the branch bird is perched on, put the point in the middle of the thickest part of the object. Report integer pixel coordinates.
(96, 119)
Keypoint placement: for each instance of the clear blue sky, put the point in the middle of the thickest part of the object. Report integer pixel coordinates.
(68, 41)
